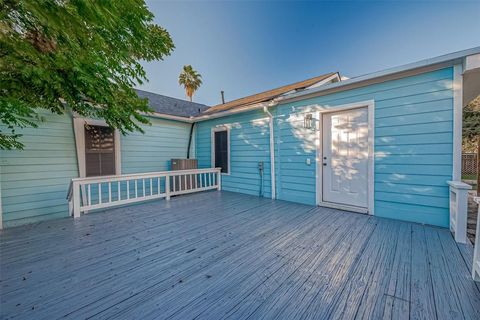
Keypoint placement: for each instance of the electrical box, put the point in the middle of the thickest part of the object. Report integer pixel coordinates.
(260, 165)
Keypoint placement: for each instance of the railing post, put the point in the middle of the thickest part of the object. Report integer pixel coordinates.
(167, 187)
(476, 249)
(219, 180)
(76, 199)
(458, 209)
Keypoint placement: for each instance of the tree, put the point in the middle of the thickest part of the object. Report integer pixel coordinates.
(471, 130)
(190, 79)
(74, 55)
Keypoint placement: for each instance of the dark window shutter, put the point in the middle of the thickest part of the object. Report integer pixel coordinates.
(221, 150)
(99, 151)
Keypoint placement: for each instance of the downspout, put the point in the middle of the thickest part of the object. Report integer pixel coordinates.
(272, 150)
(190, 140)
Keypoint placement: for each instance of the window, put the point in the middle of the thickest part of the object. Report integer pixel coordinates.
(99, 151)
(221, 149)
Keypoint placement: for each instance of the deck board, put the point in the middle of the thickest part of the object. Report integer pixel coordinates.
(222, 255)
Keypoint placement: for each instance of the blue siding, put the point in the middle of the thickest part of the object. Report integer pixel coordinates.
(413, 146)
(34, 181)
(249, 144)
(152, 151)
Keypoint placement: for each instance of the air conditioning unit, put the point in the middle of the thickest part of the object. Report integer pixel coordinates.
(182, 183)
(183, 164)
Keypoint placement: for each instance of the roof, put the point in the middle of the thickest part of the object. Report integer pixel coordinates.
(172, 106)
(270, 94)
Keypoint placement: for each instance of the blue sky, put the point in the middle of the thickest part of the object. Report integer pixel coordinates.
(248, 47)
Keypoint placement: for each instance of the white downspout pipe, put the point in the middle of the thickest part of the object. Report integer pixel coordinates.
(272, 151)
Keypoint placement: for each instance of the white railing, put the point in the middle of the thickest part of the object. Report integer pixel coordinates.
(459, 209)
(85, 194)
(476, 249)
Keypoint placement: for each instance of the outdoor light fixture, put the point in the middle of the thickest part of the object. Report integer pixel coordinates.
(308, 121)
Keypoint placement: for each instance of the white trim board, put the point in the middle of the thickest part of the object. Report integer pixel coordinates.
(212, 146)
(320, 110)
(457, 121)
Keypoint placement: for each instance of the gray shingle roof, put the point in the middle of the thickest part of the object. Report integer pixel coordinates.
(172, 106)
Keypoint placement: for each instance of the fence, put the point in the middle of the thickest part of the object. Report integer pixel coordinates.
(469, 164)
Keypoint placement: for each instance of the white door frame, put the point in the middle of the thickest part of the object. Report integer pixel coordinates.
(321, 110)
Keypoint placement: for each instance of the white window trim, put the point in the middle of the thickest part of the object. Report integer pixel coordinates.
(370, 105)
(79, 130)
(212, 144)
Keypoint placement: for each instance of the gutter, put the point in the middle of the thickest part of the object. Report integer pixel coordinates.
(272, 151)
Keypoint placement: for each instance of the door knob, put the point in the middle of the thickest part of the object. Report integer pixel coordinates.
(324, 164)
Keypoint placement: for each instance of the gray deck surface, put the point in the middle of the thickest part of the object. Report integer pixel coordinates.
(218, 255)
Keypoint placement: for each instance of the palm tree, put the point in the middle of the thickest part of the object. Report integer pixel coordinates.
(190, 79)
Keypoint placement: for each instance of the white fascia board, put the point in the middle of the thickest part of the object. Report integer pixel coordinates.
(450, 59)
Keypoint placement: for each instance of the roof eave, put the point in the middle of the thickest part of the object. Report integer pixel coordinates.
(381, 76)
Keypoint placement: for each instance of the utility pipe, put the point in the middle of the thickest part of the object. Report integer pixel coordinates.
(272, 150)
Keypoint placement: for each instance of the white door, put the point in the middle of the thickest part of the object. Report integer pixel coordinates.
(345, 157)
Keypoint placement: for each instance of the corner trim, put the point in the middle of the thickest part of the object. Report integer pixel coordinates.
(457, 121)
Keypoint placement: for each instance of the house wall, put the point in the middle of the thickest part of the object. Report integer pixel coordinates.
(413, 147)
(249, 144)
(34, 181)
(152, 151)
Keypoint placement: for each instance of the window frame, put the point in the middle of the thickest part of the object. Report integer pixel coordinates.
(212, 146)
(79, 130)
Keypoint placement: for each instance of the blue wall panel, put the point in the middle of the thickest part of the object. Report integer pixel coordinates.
(249, 144)
(34, 181)
(413, 146)
(152, 151)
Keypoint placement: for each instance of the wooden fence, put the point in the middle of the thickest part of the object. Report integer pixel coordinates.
(469, 163)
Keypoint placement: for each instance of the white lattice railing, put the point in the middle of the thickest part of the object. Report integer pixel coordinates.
(92, 193)
(476, 249)
(458, 209)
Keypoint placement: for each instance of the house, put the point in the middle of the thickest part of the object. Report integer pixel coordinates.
(383, 144)
(34, 181)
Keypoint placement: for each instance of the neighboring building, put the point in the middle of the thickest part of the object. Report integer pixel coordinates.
(383, 144)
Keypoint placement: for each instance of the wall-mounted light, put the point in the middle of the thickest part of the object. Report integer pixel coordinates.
(308, 121)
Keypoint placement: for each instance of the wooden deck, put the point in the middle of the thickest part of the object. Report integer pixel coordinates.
(218, 255)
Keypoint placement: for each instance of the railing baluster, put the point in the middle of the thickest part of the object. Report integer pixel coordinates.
(158, 186)
(128, 189)
(110, 192)
(99, 193)
(89, 195)
(174, 178)
(151, 187)
(143, 184)
(167, 187)
(118, 191)
(210, 180)
(136, 188)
